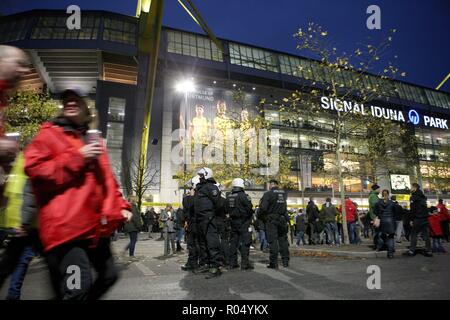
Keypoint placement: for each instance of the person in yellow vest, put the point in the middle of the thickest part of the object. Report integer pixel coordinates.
(19, 218)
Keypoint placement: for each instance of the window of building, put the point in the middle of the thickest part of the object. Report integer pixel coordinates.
(114, 133)
(193, 45)
(253, 57)
(13, 30)
(119, 30)
(54, 27)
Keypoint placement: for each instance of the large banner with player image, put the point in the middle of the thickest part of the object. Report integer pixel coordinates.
(217, 126)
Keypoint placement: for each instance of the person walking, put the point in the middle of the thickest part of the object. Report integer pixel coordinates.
(239, 207)
(300, 228)
(443, 211)
(132, 228)
(435, 219)
(385, 220)
(328, 217)
(179, 228)
(150, 217)
(79, 201)
(373, 200)
(312, 214)
(419, 215)
(398, 210)
(351, 217)
(273, 207)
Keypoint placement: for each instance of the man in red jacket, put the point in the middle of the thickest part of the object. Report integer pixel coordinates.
(445, 218)
(352, 218)
(79, 201)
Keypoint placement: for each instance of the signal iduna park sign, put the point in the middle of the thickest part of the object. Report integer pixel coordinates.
(412, 116)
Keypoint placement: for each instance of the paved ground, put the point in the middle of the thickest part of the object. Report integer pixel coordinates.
(309, 277)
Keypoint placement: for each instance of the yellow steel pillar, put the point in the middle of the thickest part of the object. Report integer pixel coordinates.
(150, 14)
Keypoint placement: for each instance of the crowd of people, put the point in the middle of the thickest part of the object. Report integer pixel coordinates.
(60, 200)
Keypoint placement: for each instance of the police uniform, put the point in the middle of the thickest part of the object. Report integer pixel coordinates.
(239, 207)
(224, 230)
(206, 201)
(196, 252)
(274, 208)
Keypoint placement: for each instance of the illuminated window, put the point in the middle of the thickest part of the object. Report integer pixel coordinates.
(114, 133)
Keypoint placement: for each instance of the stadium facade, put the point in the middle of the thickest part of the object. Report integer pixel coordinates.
(102, 58)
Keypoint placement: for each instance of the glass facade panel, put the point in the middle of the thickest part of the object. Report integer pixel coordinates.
(192, 45)
(114, 133)
(118, 30)
(54, 27)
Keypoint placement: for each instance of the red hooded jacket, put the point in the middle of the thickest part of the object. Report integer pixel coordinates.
(77, 200)
(350, 211)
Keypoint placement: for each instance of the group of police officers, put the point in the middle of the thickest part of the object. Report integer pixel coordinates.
(217, 227)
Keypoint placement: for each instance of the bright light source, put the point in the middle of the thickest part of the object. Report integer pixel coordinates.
(185, 86)
(60, 106)
(253, 88)
(214, 81)
(234, 84)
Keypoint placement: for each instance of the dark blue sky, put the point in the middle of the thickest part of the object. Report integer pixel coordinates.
(422, 41)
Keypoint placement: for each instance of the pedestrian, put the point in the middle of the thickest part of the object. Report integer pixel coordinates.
(351, 217)
(79, 201)
(260, 226)
(273, 207)
(443, 211)
(150, 217)
(206, 203)
(436, 233)
(373, 200)
(179, 228)
(312, 214)
(419, 215)
(385, 221)
(300, 228)
(20, 219)
(239, 207)
(167, 218)
(398, 210)
(328, 217)
(132, 228)
(14, 63)
(407, 222)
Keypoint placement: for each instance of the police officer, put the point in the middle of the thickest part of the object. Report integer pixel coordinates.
(239, 208)
(196, 249)
(273, 208)
(224, 229)
(206, 204)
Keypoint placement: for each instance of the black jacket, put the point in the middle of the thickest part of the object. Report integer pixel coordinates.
(385, 211)
(312, 212)
(273, 202)
(300, 223)
(239, 205)
(398, 211)
(418, 205)
(188, 208)
(207, 199)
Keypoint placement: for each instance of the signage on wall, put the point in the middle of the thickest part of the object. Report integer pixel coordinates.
(382, 112)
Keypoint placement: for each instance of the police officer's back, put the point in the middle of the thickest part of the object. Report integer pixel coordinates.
(273, 207)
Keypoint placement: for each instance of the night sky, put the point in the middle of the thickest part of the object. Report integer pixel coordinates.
(422, 40)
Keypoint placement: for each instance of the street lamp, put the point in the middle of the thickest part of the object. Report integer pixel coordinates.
(185, 86)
